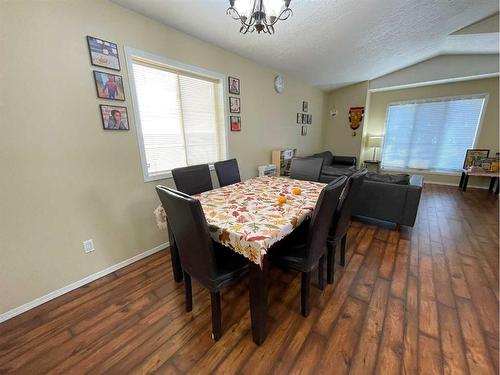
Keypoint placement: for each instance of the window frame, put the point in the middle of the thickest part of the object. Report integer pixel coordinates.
(484, 95)
(130, 54)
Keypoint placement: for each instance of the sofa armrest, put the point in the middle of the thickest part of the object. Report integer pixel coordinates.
(346, 160)
(412, 199)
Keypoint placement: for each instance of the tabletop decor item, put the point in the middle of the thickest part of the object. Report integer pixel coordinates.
(234, 85)
(259, 15)
(356, 115)
(103, 53)
(114, 117)
(375, 142)
(234, 105)
(473, 156)
(109, 86)
(235, 123)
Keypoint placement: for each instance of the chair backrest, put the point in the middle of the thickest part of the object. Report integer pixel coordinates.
(190, 229)
(342, 216)
(308, 169)
(192, 180)
(321, 219)
(228, 172)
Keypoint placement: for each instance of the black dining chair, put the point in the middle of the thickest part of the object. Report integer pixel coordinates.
(192, 180)
(308, 169)
(213, 265)
(304, 249)
(341, 220)
(228, 172)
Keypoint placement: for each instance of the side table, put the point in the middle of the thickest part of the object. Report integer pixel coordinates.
(494, 181)
(372, 165)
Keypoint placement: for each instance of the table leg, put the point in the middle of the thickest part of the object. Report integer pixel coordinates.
(258, 300)
(466, 181)
(492, 184)
(461, 180)
(174, 256)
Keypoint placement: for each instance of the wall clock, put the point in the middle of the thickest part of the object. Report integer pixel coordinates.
(279, 83)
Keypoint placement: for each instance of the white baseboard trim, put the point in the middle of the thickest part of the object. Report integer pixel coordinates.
(454, 184)
(68, 288)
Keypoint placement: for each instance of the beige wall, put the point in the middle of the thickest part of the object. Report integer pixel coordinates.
(338, 134)
(488, 136)
(64, 179)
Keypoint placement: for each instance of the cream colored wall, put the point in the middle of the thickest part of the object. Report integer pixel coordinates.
(63, 178)
(338, 134)
(488, 135)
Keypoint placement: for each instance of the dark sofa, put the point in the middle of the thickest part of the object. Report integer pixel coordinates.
(334, 166)
(393, 198)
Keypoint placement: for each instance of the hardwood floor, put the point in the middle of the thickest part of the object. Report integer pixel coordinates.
(422, 300)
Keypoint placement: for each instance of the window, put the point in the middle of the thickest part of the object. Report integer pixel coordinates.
(431, 134)
(180, 114)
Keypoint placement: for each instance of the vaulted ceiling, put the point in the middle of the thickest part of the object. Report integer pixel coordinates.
(332, 43)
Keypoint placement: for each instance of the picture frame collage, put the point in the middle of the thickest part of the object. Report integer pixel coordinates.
(304, 118)
(109, 86)
(234, 104)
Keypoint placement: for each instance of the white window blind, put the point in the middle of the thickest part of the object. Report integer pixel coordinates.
(180, 118)
(433, 134)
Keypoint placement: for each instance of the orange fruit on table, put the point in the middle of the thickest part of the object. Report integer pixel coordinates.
(296, 191)
(282, 199)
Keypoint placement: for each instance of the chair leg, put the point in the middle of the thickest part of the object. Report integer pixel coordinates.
(343, 246)
(321, 273)
(189, 292)
(304, 294)
(216, 316)
(330, 264)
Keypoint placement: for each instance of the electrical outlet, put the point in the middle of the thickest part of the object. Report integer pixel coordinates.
(88, 246)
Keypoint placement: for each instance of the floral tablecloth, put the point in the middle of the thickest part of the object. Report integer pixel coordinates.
(247, 216)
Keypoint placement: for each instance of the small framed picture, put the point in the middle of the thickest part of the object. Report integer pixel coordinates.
(473, 156)
(235, 123)
(299, 118)
(310, 119)
(234, 105)
(306, 118)
(114, 117)
(234, 85)
(103, 53)
(109, 86)
(303, 131)
(305, 106)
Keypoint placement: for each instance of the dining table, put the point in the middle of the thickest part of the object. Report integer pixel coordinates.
(249, 217)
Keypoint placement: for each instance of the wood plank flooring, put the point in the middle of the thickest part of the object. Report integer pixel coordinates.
(422, 300)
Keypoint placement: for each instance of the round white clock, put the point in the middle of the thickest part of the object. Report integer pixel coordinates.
(279, 83)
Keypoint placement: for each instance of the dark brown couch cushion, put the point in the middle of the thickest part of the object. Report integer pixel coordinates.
(400, 178)
(327, 157)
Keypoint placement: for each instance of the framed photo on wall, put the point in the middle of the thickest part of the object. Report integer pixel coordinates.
(234, 85)
(114, 117)
(305, 106)
(234, 105)
(303, 130)
(103, 53)
(109, 86)
(310, 119)
(235, 123)
(299, 118)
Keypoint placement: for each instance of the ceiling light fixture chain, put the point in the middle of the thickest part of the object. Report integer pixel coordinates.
(259, 15)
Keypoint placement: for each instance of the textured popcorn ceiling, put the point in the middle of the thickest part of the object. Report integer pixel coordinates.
(332, 43)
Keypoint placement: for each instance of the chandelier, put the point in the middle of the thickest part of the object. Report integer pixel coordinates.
(260, 15)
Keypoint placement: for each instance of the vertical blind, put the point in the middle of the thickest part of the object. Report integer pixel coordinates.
(433, 134)
(180, 118)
